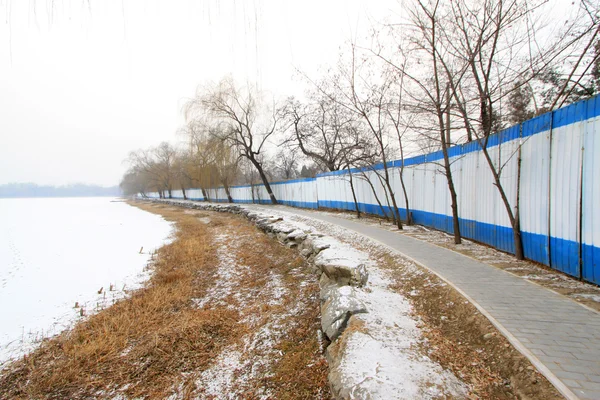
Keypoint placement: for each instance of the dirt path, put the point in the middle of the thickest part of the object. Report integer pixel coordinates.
(228, 313)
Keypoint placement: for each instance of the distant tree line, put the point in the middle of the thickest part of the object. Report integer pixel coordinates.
(74, 190)
(444, 73)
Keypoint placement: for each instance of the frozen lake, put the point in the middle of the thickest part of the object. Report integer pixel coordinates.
(56, 252)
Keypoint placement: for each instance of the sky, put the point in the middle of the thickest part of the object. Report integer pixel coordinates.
(84, 83)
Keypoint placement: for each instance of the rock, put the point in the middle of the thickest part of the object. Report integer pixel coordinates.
(272, 220)
(282, 237)
(488, 336)
(340, 305)
(282, 228)
(345, 271)
(327, 286)
(319, 244)
(297, 235)
(338, 380)
(305, 252)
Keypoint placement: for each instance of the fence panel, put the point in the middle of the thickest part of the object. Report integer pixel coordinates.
(534, 188)
(591, 193)
(565, 188)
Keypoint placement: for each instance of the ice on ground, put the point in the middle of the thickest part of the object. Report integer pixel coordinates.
(55, 253)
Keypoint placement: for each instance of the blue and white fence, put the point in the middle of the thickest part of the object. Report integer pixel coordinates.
(559, 189)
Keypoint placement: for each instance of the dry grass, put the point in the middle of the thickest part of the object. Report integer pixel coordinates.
(156, 342)
(282, 357)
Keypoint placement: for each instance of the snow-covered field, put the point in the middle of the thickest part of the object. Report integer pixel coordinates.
(56, 253)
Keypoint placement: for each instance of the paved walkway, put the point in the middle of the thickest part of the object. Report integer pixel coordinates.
(558, 335)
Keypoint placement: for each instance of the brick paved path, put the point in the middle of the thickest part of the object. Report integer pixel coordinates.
(558, 335)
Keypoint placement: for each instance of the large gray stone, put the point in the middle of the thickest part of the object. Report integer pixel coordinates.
(340, 305)
(297, 235)
(345, 271)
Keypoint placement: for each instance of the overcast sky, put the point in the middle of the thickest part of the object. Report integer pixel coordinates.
(83, 82)
(82, 85)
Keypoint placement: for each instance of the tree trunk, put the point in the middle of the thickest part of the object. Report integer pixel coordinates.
(454, 202)
(183, 191)
(387, 198)
(353, 192)
(387, 182)
(515, 219)
(229, 198)
(376, 198)
(519, 251)
(408, 213)
(205, 195)
(263, 177)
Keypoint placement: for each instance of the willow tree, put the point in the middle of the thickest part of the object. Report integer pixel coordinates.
(236, 118)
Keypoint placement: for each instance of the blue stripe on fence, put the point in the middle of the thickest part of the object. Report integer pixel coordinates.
(575, 112)
(565, 253)
(591, 263)
(564, 256)
(299, 180)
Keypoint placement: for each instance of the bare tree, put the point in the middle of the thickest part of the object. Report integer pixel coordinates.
(203, 152)
(486, 36)
(146, 165)
(395, 113)
(286, 164)
(165, 158)
(416, 59)
(323, 129)
(366, 94)
(235, 116)
(225, 162)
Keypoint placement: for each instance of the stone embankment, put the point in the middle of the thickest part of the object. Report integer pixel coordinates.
(340, 270)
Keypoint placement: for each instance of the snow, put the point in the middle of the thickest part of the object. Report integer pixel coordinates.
(233, 369)
(229, 273)
(342, 255)
(57, 252)
(380, 359)
(589, 296)
(218, 380)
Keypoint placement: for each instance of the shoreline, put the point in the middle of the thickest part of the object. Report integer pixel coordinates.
(56, 268)
(149, 343)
